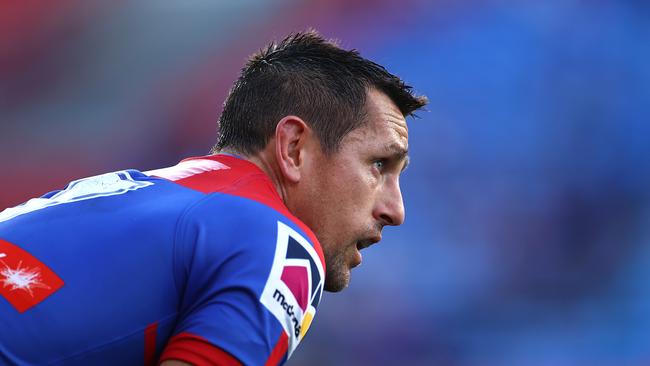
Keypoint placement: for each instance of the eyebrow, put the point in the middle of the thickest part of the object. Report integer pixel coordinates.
(399, 154)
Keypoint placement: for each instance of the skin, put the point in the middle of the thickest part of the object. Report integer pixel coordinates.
(347, 197)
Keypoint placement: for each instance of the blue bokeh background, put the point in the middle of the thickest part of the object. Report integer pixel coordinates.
(527, 239)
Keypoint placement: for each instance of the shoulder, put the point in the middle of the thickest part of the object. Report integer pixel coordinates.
(246, 244)
(222, 226)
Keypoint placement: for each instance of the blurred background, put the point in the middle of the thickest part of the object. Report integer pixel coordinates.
(527, 238)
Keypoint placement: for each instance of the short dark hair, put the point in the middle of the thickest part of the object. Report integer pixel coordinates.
(310, 77)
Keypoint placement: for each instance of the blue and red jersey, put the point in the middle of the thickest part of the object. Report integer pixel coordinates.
(200, 262)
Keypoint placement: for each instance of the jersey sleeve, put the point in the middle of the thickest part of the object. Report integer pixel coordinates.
(250, 280)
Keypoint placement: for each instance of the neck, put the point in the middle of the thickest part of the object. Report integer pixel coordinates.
(266, 162)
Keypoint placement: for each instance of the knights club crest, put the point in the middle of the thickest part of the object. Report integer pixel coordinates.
(295, 284)
(24, 280)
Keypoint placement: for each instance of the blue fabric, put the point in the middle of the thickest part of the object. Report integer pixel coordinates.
(160, 253)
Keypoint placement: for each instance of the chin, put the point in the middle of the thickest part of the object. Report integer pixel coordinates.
(338, 281)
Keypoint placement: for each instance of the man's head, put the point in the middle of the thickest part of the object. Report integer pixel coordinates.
(329, 127)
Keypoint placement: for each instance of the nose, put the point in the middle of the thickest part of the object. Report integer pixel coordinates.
(389, 207)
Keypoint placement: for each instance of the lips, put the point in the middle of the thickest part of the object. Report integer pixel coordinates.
(365, 243)
(362, 244)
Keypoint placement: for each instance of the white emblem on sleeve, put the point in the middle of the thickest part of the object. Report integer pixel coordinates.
(108, 184)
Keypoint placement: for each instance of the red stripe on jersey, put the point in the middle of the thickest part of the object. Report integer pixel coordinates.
(242, 178)
(150, 333)
(197, 351)
(279, 350)
(24, 280)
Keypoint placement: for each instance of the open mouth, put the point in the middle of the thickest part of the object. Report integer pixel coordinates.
(365, 243)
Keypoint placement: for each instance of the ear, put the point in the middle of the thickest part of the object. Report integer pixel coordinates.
(291, 136)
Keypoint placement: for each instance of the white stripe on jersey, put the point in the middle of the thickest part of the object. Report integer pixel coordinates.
(186, 169)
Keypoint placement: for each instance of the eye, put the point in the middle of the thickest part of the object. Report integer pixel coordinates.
(379, 164)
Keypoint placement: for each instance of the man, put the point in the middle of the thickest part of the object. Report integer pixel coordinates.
(217, 260)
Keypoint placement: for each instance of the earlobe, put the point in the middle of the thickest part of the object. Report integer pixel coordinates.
(291, 134)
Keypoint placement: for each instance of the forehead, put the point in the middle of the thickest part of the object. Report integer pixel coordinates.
(385, 125)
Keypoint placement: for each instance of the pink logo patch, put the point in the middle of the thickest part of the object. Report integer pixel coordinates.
(297, 280)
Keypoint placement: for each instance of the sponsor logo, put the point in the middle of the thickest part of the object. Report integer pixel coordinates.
(295, 285)
(24, 280)
(289, 309)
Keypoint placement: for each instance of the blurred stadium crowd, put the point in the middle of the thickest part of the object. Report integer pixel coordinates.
(527, 239)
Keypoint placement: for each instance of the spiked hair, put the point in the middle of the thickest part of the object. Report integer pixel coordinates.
(310, 77)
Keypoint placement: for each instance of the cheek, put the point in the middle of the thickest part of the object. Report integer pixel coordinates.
(344, 198)
(359, 193)
(347, 201)
(352, 210)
